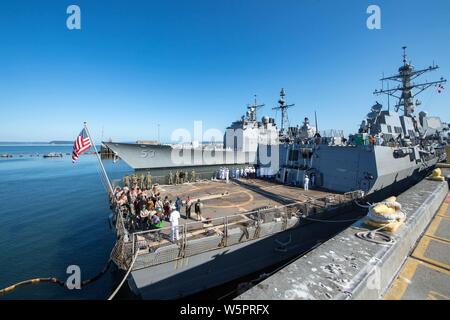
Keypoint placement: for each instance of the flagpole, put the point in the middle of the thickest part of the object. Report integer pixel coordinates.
(99, 160)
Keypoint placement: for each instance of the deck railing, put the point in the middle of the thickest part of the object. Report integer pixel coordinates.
(251, 225)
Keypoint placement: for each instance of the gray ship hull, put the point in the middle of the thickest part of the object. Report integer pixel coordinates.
(146, 156)
(181, 278)
(196, 273)
(370, 168)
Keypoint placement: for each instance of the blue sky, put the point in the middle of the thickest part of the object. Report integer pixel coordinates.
(135, 64)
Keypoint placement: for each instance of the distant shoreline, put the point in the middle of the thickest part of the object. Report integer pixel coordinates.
(36, 143)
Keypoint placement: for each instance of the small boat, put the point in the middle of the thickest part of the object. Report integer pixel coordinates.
(6, 156)
(53, 155)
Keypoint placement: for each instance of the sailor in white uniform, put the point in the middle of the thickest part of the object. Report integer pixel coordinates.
(174, 224)
(306, 182)
(379, 139)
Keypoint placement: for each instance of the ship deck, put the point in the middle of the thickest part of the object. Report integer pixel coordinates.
(235, 205)
(224, 199)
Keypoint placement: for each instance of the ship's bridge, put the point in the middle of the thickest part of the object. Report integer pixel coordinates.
(246, 135)
(390, 124)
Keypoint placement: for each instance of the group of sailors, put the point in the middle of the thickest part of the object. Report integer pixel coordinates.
(146, 181)
(181, 177)
(375, 139)
(225, 173)
(247, 172)
(145, 209)
(141, 181)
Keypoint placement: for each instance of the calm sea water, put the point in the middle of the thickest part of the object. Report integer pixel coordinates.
(54, 214)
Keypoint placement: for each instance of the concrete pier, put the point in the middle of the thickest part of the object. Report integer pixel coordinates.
(348, 267)
(425, 275)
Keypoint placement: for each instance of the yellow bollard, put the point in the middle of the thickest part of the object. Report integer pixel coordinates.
(436, 175)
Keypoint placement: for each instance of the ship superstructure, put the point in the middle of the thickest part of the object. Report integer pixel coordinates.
(389, 149)
(240, 146)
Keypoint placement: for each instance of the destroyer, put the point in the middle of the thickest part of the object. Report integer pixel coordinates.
(390, 151)
(265, 223)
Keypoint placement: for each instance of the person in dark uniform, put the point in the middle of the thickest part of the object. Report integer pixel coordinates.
(188, 207)
(198, 209)
(181, 177)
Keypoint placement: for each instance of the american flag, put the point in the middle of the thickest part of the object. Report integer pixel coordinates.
(439, 88)
(81, 144)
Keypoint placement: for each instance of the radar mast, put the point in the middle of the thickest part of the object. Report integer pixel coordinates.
(251, 113)
(283, 107)
(404, 91)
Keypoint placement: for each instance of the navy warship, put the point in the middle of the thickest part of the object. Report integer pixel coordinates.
(389, 150)
(240, 145)
(251, 224)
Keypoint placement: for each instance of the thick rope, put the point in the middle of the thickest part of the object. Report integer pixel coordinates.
(330, 221)
(17, 285)
(370, 236)
(125, 277)
(53, 280)
(388, 219)
(362, 205)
